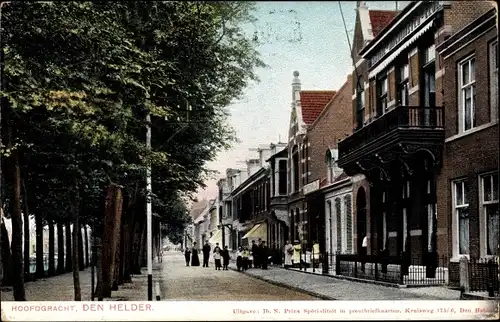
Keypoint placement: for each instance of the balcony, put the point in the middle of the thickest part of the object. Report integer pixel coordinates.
(400, 129)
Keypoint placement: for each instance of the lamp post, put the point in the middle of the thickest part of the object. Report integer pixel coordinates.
(149, 212)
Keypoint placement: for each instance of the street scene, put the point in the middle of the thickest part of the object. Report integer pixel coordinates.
(249, 151)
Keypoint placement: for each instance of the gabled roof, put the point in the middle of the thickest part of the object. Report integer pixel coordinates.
(312, 103)
(380, 19)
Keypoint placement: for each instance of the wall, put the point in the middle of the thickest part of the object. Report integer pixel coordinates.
(330, 126)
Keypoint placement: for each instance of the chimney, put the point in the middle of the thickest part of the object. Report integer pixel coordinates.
(295, 87)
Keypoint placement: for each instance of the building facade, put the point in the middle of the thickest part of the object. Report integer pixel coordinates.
(306, 106)
(332, 124)
(399, 138)
(467, 187)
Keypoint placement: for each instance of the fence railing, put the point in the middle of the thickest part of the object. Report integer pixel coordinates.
(392, 269)
(480, 275)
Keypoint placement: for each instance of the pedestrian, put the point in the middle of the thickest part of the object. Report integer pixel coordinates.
(225, 258)
(195, 261)
(296, 253)
(217, 258)
(217, 250)
(246, 254)
(187, 255)
(288, 254)
(316, 254)
(264, 255)
(255, 254)
(239, 258)
(206, 253)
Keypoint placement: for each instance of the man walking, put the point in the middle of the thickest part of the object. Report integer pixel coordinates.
(255, 254)
(263, 254)
(206, 253)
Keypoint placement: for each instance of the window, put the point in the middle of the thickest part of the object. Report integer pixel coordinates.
(295, 169)
(403, 77)
(494, 80)
(461, 209)
(428, 94)
(489, 212)
(282, 177)
(467, 99)
(360, 104)
(382, 94)
(406, 196)
(331, 158)
(338, 213)
(330, 225)
(348, 221)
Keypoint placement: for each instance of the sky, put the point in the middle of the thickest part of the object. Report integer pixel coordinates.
(306, 36)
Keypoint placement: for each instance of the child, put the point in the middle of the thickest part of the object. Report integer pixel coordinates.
(246, 254)
(225, 257)
(239, 258)
(217, 258)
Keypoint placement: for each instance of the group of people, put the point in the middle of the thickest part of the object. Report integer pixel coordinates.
(221, 256)
(258, 255)
(293, 253)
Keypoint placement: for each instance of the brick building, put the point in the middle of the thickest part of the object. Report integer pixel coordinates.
(369, 24)
(306, 106)
(399, 138)
(467, 187)
(332, 124)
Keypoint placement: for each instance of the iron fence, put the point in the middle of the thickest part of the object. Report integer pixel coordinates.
(484, 276)
(392, 269)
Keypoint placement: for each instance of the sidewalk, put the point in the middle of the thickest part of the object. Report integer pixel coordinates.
(60, 288)
(328, 287)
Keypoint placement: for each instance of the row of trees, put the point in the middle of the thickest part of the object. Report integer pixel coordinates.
(81, 81)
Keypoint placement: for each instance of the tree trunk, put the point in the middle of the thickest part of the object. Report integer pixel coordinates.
(118, 209)
(17, 233)
(60, 248)
(6, 255)
(68, 255)
(87, 244)
(112, 218)
(40, 267)
(128, 242)
(121, 252)
(26, 224)
(81, 250)
(136, 255)
(52, 267)
(76, 232)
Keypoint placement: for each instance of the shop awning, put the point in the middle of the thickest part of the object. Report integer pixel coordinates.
(216, 238)
(257, 231)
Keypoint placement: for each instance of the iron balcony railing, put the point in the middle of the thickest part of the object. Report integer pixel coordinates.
(417, 117)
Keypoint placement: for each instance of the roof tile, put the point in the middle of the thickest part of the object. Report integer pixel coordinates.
(380, 19)
(313, 102)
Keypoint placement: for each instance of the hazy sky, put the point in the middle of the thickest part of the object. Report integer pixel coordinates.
(305, 36)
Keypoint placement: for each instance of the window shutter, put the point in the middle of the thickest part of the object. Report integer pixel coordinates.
(339, 224)
(348, 218)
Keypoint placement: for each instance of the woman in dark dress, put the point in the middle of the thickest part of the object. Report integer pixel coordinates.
(187, 255)
(195, 261)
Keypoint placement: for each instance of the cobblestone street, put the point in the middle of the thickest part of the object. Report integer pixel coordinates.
(205, 284)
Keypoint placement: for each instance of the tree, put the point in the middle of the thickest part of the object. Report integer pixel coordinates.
(80, 79)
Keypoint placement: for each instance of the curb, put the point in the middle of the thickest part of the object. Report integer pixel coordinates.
(353, 279)
(294, 288)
